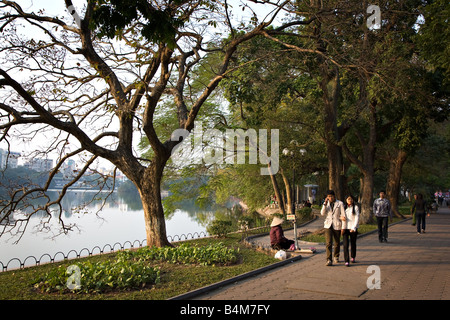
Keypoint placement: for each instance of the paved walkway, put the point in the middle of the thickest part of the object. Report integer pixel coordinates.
(409, 267)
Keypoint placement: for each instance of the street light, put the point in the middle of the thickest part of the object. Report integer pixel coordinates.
(289, 153)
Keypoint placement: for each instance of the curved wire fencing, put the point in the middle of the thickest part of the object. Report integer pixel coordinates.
(30, 261)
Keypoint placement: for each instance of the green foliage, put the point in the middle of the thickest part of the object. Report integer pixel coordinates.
(133, 269)
(159, 24)
(303, 213)
(219, 228)
(102, 276)
(210, 254)
(241, 181)
(432, 34)
(175, 278)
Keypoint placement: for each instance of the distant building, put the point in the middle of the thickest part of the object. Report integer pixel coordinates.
(9, 159)
(69, 168)
(39, 165)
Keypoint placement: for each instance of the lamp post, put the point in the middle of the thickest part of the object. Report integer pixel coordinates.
(290, 154)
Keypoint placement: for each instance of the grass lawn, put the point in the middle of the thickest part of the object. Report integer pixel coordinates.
(175, 279)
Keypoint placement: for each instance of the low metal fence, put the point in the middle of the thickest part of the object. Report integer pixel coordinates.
(30, 261)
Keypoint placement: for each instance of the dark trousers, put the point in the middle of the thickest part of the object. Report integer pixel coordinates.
(331, 236)
(349, 239)
(420, 220)
(382, 228)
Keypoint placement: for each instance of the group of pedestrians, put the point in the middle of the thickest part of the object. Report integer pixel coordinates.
(342, 219)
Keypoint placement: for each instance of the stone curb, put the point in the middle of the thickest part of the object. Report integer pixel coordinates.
(196, 292)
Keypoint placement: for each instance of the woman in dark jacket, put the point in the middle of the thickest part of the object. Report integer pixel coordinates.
(277, 239)
(421, 209)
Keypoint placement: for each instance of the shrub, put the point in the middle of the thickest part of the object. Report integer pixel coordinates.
(186, 254)
(101, 276)
(132, 269)
(219, 228)
(304, 213)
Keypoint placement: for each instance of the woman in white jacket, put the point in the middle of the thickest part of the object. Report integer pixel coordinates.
(350, 229)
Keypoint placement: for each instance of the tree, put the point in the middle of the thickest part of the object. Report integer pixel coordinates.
(351, 61)
(98, 83)
(272, 91)
(431, 38)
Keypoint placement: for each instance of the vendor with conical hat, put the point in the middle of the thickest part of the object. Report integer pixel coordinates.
(277, 239)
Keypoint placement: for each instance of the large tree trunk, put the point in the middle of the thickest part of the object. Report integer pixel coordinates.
(393, 182)
(365, 165)
(148, 183)
(366, 197)
(155, 222)
(331, 92)
(335, 167)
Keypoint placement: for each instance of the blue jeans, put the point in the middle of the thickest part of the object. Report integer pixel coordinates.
(382, 228)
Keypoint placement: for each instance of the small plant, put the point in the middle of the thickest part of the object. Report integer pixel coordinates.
(132, 269)
(304, 213)
(219, 228)
(101, 276)
(186, 254)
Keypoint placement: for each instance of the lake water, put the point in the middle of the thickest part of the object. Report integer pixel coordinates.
(115, 223)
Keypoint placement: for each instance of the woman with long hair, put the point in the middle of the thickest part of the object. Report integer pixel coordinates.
(350, 229)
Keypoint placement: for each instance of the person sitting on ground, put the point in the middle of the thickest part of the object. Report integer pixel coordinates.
(277, 239)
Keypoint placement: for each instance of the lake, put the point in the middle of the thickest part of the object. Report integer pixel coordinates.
(120, 221)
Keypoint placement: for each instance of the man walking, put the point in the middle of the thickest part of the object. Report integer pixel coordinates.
(334, 210)
(382, 211)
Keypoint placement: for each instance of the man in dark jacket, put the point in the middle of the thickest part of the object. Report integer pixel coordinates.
(420, 209)
(382, 211)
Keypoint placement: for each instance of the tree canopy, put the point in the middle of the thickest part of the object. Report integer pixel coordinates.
(114, 80)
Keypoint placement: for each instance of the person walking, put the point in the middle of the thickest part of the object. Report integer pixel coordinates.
(334, 211)
(420, 207)
(382, 211)
(350, 230)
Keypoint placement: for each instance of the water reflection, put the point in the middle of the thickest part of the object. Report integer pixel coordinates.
(95, 222)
